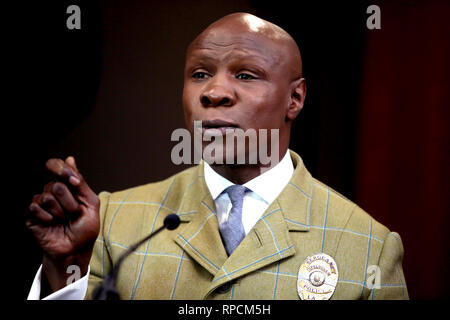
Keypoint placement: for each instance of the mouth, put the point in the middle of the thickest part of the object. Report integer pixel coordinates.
(213, 127)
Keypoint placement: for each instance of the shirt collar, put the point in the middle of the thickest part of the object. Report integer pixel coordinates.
(267, 185)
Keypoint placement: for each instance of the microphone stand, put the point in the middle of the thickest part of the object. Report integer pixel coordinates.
(107, 289)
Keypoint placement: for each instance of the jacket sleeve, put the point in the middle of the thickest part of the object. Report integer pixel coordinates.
(100, 263)
(388, 281)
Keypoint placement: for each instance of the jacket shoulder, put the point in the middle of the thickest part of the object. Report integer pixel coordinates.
(358, 243)
(346, 215)
(128, 215)
(157, 191)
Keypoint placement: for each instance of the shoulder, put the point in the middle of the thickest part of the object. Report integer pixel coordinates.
(127, 214)
(359, 244)
(156, 191)
(345, 214)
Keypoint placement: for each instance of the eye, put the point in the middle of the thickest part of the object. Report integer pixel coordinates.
(244, 76)
(200, 75)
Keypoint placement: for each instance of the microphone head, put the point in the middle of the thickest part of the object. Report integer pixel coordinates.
(172, 221)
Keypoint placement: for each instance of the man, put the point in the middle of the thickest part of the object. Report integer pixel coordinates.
(248, 231)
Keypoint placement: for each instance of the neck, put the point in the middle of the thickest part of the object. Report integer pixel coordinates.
(241, 174)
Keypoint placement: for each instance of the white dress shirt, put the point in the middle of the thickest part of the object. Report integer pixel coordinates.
(74, 291)
(264, 189)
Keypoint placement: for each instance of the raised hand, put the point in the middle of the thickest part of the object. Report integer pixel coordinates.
(64, 219)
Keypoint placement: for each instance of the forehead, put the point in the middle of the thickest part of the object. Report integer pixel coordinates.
(222, 43)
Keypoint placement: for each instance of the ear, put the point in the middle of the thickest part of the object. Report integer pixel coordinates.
(297, 98)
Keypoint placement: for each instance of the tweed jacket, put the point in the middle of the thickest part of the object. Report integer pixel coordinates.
(191, 263)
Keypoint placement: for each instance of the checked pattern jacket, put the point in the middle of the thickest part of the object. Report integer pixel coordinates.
(191, 263)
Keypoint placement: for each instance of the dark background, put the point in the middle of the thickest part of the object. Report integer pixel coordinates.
(374, 124)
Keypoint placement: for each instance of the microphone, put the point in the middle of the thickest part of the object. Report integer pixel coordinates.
(107, 289)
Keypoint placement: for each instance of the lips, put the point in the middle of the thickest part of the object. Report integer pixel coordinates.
(211, 127)
(218, 123)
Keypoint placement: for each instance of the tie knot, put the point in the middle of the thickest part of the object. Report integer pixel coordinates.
(236, 193)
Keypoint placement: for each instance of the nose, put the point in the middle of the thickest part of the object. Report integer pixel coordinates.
(218, 93)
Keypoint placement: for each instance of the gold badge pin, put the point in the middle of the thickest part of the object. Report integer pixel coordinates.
(317, 277)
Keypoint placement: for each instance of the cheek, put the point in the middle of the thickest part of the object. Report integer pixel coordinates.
(258, 98)
(278, 103)
(267, 108)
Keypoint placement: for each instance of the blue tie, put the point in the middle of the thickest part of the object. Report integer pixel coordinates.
(232, 230)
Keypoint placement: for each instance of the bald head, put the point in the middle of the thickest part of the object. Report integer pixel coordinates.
(244, 72)
(243, 29)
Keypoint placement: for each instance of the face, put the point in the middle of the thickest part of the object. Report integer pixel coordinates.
(237, 80)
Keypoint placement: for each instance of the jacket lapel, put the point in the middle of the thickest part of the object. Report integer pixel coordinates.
(269, 240)
(266, 243)
(200, 236)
